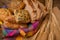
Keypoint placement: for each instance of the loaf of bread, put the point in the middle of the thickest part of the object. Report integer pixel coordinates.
(14, 25)
(4, 13)
(15, 5)
(22, 16)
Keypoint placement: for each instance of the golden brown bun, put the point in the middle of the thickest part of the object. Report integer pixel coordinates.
(22, 16)
(4, 13)
(14, 25)
(15, 5)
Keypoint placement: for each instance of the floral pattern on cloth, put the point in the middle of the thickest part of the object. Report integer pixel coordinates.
(25, 32)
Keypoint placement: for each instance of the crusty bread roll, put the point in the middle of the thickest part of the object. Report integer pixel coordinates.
(13, 25)
(22, 16)
(4, 13)
(15, 5)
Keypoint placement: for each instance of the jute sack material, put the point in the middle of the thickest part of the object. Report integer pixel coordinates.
(49, 30)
